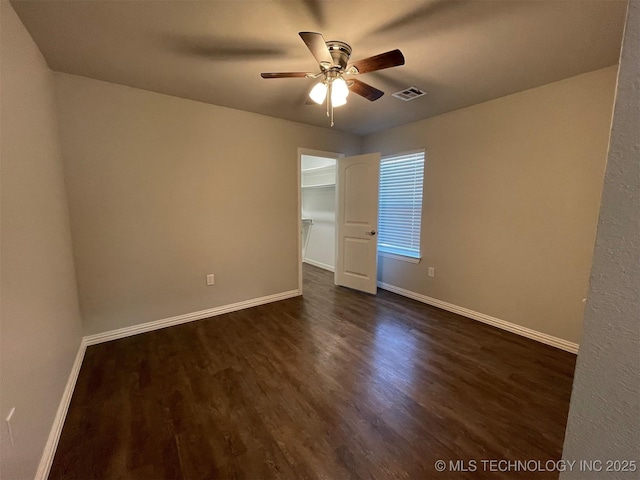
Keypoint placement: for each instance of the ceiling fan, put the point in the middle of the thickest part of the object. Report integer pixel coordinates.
(333, 59)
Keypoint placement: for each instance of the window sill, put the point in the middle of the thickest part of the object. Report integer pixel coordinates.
(395, 256)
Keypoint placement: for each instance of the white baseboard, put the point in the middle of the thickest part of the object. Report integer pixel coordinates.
(58, 422)
(315, 263)
(187, 317)
(481, 317)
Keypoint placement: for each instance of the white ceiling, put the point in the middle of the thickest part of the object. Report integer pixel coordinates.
(461, 52)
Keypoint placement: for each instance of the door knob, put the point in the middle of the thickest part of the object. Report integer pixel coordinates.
(371, 233)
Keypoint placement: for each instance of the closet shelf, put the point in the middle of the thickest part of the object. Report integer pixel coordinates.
(321, 185)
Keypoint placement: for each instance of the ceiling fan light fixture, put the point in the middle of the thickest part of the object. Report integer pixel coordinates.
(338, 101)
(339, 88)
(319, 92)
(333, 59)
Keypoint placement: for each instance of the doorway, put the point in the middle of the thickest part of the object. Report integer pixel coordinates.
(317, 209)
(338, 216)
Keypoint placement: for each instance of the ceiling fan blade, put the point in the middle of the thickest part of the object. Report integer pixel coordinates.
(365, 90)
(393, 58)
(285, 75)
(318, 47)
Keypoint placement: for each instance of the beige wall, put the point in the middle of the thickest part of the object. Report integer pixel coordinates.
(512, 189)
(164, 190)
(605, 404)
(40, 321)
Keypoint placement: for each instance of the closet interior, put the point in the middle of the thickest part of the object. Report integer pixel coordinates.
(318, 176)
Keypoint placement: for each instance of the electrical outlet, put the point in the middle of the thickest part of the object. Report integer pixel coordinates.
(432, 272)
(211, 279)
(8, 420)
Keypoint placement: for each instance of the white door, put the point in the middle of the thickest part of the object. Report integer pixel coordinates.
(357, 182)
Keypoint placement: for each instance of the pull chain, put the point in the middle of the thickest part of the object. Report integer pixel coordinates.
(330, 103)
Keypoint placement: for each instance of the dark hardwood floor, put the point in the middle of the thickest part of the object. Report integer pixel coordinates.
(334, 385)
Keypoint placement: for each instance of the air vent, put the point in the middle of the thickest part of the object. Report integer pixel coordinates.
(409, 94)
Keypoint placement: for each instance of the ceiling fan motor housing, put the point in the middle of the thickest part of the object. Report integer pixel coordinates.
(340, 52)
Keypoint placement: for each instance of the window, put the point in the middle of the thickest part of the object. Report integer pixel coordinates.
(401, 179)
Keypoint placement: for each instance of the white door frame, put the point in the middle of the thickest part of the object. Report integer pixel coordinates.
(316, 153)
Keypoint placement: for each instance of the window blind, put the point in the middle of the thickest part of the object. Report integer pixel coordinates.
(400, 210)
